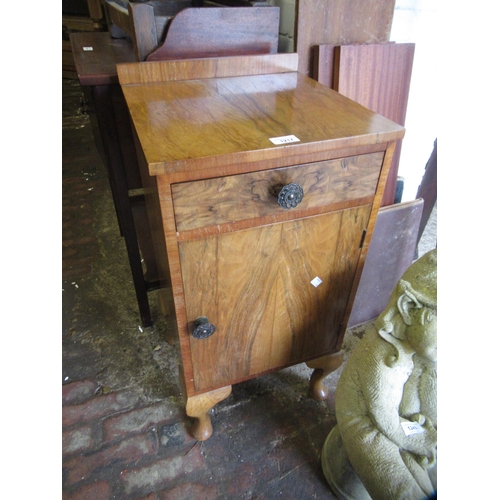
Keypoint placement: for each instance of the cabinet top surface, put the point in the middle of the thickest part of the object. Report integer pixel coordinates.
(213, 122)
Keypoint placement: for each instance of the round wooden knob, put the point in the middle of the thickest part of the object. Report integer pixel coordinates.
(290, 196)
(203, 328)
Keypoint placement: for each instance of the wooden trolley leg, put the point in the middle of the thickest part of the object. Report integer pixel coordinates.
(322, 368)
(198, 408)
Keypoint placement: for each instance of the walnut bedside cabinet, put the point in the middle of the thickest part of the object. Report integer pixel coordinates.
(263, 187)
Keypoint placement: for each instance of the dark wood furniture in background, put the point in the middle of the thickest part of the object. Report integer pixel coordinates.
(263, 240)
(145, 23)
(176, 31)
(96, 56)
(77, 16)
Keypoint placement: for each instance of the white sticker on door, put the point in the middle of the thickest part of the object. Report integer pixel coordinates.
(316, 282)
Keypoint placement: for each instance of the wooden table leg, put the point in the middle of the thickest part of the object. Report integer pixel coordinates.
(103, 99)
(167, 309)
(322, 368)
(198, 408)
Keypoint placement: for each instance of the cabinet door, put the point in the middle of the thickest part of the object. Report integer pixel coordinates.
(276, 293)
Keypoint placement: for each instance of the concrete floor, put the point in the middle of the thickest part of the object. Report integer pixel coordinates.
(125, 434)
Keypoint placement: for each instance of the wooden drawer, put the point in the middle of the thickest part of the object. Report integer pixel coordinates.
(234, 198)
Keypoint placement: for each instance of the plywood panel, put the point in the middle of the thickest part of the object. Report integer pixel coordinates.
(378, 77)
(391, 252)
(375, 75)
(340, 22)
(323, 56)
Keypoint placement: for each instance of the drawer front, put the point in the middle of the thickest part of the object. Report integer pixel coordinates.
(247, 196)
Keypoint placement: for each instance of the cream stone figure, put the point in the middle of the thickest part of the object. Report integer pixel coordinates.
(385, 444)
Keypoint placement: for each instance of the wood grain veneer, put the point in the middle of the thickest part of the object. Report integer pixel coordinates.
(218, 122)
(201, 68)
(242, 280)
(246, 196)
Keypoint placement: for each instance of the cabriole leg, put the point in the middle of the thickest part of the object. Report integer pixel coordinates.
(198, 408)
(322, 368)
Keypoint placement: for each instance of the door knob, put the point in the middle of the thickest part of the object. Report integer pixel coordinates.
(203, 328)
(290, 196)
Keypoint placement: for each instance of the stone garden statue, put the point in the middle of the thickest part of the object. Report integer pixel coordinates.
(384, 446)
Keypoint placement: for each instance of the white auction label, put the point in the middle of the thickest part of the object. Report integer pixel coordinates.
(412, 428)
(87, 49)
(316, 282)
(284, 139)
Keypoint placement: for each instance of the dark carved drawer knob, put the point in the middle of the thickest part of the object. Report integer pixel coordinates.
(290, 196)
(202, 328)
